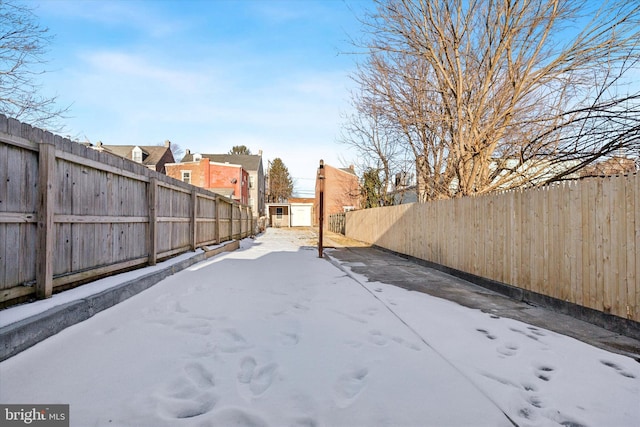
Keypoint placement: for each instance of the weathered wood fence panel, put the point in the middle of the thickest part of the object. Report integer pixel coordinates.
(337, 222)
(577, 242)
(69, 214)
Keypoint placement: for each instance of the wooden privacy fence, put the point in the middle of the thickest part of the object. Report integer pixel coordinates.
(337, 222)
(69, 214)
(578, 242)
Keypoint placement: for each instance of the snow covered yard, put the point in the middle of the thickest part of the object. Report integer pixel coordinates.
(271, 335)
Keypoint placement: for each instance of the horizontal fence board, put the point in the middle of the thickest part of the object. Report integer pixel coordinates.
(9, 217)
(80, 159)
(173, 219)
(90, 219)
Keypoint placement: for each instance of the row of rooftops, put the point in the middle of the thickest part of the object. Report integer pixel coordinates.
(156, 156)
(150, 155)
(250, 162)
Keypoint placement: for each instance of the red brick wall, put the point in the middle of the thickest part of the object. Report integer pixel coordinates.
(340, 189)
(230, 176)
(199, 172)
(210, 175)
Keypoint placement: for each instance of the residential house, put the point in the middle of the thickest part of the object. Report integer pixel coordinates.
(509, 173)
(615, 165)
(227, 179)
(341, 191)
(155, 157)
(250, 163)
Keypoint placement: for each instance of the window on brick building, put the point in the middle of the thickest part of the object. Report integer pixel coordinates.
(186, 176)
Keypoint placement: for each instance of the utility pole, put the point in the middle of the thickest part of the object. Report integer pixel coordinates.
(321, 207)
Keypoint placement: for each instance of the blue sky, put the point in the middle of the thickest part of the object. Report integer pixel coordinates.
(207, 75)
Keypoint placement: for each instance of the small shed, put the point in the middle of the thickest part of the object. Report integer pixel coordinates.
(294, 214)
(279, 214)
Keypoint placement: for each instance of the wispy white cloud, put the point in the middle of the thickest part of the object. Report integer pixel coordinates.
(241, 75)
(139, 16)
(126, 66)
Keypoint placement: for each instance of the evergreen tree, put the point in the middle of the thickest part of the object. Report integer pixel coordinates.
(370, 188)
(280, 182)
(240, 149)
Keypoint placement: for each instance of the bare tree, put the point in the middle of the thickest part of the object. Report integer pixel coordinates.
(176, 149)
(378, 150)
(497, 94)
(23, 44)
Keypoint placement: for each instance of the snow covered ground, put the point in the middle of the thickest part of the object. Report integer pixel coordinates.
(271, 335)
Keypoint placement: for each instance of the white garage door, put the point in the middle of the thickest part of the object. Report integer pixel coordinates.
(301, 216)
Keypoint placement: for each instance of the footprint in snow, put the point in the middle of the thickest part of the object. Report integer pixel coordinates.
(200, 405)
(195, 326)
(526, 334)
(376, 337)
(233, 417)
(544, 372)
(231, 341)
(189, 395)
(372, 311)
(536, 331)
(509, 349)
(407, 344)
(178, 308)
(490, 313)
(289, 338)
(200, 376)
(487, 334)
(258, 379)
(349, 386)
(617, 368)
(535, 402)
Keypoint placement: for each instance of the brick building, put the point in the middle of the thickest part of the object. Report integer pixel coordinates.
(226, 179)
(252, 164)
(341, 192)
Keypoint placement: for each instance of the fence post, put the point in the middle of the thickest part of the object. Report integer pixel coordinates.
(46, 207)
(152, 243)
(231, 230)
(246, 221)
(217, 223)
(194, 213)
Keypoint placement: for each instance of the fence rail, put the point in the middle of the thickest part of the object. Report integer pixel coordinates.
(69, 214)
(578, 242)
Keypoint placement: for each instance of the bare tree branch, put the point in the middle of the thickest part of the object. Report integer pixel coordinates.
(496, 94)
(23, 45)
